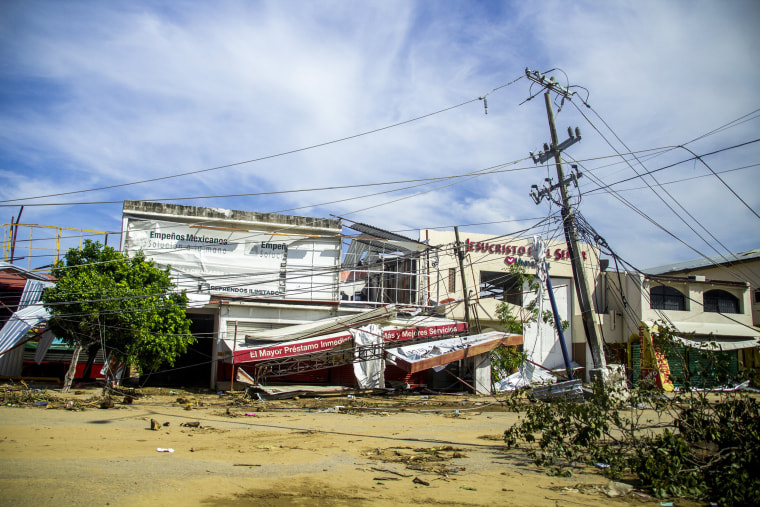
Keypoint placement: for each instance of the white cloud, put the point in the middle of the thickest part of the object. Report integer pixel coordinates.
(99, 94)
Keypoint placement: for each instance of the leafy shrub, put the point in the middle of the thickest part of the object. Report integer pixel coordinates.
(690, 443)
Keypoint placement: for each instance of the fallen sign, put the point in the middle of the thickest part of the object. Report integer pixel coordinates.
(423, 356)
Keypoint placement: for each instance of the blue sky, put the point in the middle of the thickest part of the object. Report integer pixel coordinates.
(96, 94)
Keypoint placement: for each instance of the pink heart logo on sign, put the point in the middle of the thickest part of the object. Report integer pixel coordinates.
(510, 260)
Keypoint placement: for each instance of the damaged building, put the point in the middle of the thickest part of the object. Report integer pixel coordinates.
(282, 298)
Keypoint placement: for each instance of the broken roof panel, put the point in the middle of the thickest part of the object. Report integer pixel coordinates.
(374, 241)
(29, 314)
(399, 328)
(9, 268)
(423, 356)
(322, 326)
(704, 263)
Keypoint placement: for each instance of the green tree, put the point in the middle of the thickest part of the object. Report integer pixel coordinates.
(127, 304)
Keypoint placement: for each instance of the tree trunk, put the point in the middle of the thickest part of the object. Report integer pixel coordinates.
(92, 351)
(72, 368)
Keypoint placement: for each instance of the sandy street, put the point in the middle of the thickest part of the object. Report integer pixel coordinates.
(408, 450)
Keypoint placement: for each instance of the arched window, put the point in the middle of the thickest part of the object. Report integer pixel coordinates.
(720, 301)
(663, 297)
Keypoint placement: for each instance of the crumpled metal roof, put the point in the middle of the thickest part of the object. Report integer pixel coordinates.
(26, 273)
(374, 242)
(704, 263)
(30, 313)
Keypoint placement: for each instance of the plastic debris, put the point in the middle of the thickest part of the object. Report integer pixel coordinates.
(251, 414)
(165, 449)
(614, 489)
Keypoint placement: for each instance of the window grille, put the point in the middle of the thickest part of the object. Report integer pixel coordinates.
(720, 301)
(663, 297)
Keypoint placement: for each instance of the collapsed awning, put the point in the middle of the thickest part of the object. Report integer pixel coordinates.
(321, 327)
(29, 314)
(396, 329)
(374, 243)
(715, 336)
(423, 356)
(716, 344)
(717, 329)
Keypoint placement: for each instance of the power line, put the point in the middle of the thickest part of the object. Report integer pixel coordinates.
(709, 244)
(267, 157)
(495, 169)
(723, 181)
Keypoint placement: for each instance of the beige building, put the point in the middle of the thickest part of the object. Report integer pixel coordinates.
(706, 304)
(489, 281)
(702, 308)
(742, 267)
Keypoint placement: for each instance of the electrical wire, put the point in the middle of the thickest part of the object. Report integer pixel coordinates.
(267, 157)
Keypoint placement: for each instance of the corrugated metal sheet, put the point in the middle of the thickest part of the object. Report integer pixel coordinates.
(28, 315)
(19, 324)
(712, 369)
(702, 263)
(11, 363)
(25, 273)
(316, 328)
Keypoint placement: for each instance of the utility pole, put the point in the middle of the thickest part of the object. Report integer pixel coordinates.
(460, 256)
(568, 215)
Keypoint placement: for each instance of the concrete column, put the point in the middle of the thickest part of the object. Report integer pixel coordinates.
(482, 373)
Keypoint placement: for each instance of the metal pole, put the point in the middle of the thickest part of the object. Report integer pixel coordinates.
(234, 348)
(558, 324)
(15, 233)
(571, 237)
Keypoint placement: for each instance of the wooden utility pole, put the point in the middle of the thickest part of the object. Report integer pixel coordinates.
(568, 217)
(460, 256)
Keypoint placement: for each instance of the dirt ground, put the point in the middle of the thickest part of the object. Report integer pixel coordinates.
(336, 450)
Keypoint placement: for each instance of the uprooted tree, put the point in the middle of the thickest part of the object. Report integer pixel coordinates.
(689, 443)
(127, 305)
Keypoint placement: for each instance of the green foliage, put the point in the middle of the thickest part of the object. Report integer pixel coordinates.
(686, 444)
(505, 360)
(103, 296)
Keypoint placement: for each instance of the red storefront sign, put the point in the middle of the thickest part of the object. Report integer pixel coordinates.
(513, 251)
